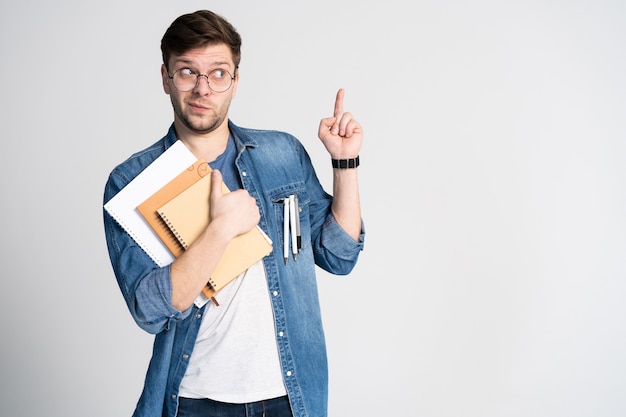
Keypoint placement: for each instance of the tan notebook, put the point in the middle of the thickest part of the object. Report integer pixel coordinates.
(187, 215)
(148, 209)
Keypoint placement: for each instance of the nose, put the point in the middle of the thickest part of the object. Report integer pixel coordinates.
(201, 86)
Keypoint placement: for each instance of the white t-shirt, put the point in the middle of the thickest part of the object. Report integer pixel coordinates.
(235, 359)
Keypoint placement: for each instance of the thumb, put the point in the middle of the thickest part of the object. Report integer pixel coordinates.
(216, 184)
(326, 125)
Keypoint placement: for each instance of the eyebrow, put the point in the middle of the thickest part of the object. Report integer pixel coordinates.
(190, 62)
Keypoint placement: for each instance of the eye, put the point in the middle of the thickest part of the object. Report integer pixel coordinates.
(218, 74)
(185, 72)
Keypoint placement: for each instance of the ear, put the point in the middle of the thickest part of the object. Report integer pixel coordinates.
(166, 79)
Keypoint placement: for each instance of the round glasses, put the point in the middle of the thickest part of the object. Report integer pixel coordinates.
(218, 80)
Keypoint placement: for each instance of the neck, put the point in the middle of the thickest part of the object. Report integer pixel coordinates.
(206, 146)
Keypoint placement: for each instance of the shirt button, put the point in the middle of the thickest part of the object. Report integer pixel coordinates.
(275, 293)
(288, 373)
(198, 315)
(185, 356)
(280, 334)
(244, 173)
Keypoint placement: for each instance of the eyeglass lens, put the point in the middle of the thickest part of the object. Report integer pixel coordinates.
(186, 80)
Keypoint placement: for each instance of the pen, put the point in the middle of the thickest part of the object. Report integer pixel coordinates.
(298, 234)
(286, 229)
(292, 224)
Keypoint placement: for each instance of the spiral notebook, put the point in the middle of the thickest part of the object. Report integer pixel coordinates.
(123, 206)
(148, 209)
(187, 215)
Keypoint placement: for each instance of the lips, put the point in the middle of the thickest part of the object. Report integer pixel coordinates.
(198, 107)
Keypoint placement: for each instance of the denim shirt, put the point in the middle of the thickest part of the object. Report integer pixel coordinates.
(272, 165)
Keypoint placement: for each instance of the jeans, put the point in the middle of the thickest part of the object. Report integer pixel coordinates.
(276, 407)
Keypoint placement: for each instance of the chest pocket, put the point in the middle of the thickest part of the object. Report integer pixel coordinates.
(297, 220)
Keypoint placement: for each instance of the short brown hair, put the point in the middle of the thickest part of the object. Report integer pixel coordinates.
(199, 29)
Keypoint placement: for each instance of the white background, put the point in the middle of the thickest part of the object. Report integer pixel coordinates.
(493, 187)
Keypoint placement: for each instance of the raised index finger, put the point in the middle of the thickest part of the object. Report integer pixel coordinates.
(339, 103)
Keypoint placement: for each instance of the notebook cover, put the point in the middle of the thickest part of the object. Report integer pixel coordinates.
(187, 215)
(148, 209)
(123, 206)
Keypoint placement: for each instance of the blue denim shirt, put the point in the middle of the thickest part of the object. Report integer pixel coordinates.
(272, 165)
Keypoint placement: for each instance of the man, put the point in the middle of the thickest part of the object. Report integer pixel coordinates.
(260, 350)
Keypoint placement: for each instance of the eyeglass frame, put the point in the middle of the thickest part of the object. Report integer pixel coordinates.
(198, 75)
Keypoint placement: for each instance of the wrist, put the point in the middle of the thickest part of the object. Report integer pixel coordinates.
(345, 163)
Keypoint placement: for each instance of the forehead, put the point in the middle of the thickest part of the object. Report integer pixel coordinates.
(209, 55)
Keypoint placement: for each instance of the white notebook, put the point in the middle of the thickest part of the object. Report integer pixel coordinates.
(123, 206)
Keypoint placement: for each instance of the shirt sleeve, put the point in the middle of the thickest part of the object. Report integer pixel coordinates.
(146, 287)
(334, 250)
